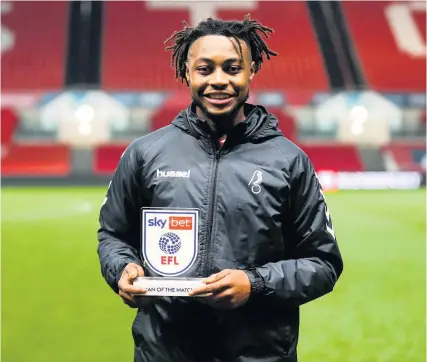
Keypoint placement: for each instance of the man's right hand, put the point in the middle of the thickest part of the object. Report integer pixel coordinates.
(126, 287)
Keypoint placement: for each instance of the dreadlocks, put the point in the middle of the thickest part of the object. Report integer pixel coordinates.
(246, 30)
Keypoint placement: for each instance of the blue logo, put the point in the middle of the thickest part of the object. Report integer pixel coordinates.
(170, 243)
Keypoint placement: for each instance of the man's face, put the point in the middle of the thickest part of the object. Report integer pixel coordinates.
(219, 76)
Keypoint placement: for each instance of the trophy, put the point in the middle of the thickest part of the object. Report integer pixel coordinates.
(169, 247)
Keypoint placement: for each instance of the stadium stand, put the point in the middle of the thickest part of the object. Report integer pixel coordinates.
(406, 156)
(170, 109)
(134, 64)
(37, 160)
(9, 122)
(106, 157)
(34, 58)
(134, 57)
(389, 64)
(334, 157)
(286, 122)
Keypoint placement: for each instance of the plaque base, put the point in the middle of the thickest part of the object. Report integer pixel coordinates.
(167, 287)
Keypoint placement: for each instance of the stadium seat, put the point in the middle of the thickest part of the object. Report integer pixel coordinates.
(33, 45)
(37, 160)
(334, 157)
(106, 158)
(134, 57)
(406, 156)
(286, 122)
(374, 28)
(164, 115)
(9, 122)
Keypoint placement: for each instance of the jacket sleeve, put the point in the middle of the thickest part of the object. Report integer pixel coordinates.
(119, 232)
(315, 263)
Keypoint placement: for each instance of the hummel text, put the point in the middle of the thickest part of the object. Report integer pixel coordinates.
(185, 174)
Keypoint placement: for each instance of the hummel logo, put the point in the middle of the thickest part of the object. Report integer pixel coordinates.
(185, 174)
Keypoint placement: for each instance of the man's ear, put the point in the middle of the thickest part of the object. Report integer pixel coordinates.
(252, 70)
(187, 72)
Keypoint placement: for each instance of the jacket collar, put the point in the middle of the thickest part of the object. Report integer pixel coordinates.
(257, 121)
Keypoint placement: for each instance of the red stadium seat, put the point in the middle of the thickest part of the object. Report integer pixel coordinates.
(164, 115)
(9, 122)
(286, 122)
(403, 155)
(389, 64)
(334, 157)
(37, 160)
(34, 56)
(134, 57)
(106, 158)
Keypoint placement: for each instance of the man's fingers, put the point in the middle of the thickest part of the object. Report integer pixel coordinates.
(217, 287)
(127, 299)
(136, 301)
(131, 289)
(215, 277)
(210, 288)
(140, 271)
(128, 276)
(198, 291)
(225, 295)
(214, 284)
(133, 270)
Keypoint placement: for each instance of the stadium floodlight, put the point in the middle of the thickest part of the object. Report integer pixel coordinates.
(359, 115)
(85, 113)
(85, 128)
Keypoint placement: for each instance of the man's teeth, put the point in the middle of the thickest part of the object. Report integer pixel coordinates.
(219, 96)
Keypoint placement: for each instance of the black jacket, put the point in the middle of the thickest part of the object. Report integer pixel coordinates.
(262, 210)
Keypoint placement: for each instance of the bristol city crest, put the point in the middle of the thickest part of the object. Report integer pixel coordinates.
(169, 240)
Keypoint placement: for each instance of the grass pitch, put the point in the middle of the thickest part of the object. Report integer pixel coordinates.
(56, 306)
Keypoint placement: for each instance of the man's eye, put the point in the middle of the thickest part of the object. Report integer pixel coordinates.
(203, 69)
(234, 69)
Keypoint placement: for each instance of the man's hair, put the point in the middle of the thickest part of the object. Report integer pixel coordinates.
(246, 30)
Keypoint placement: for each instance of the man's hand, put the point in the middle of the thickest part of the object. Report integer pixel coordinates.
(227, 289)
(126, 289)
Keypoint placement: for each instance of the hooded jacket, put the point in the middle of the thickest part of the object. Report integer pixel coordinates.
(262, 210)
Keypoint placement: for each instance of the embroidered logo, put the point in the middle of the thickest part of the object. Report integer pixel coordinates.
(255, 182)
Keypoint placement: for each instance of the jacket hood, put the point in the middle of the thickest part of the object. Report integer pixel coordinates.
(259, 124)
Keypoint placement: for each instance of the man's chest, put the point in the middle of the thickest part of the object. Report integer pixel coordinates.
(201, 180)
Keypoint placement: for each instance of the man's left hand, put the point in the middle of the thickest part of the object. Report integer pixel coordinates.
(227, 289)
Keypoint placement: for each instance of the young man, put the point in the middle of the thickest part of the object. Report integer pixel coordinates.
(267, 244)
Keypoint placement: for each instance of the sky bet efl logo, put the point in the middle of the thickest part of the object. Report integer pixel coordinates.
(170, 240)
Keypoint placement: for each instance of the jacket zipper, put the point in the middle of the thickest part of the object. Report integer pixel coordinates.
(206, 266)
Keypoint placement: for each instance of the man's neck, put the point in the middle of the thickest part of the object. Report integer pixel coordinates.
(221, 127)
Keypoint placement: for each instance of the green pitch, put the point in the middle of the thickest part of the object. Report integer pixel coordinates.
(56, 307)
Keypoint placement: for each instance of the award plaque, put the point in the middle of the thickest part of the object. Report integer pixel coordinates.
(169, 247)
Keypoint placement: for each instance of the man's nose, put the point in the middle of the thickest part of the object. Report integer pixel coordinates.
(219, 79)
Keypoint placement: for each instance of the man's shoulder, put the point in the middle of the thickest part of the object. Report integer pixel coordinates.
(296, 161)
(290, 150)
(140, 144)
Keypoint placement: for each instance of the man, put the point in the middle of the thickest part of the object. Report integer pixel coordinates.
(267, 244)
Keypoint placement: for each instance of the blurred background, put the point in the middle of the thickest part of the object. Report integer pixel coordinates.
(82, 79)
